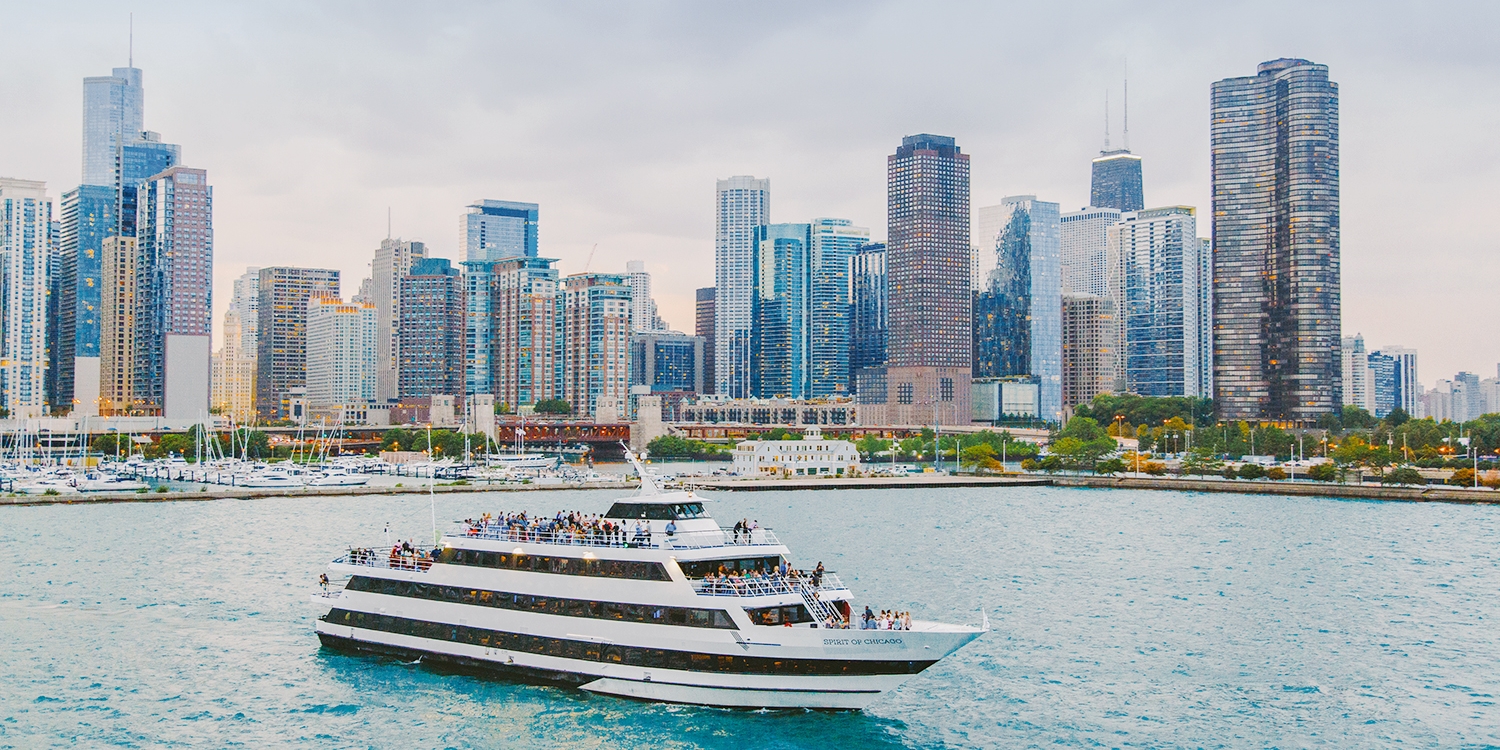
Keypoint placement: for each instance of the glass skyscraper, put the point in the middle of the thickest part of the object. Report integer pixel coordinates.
(174, 305)
(1275, 168)
(780, 361)
(868, 322)
(742, 203)
(25, 232)
(492, 231)
(834, 244)
(1018, 307)
(88, 216)
(1159, 287)
(1116, 181)
(113, 115)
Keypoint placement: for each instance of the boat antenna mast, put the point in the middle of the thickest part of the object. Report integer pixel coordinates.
(649, 486)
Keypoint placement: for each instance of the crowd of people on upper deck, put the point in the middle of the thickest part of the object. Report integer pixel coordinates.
(888, 619)
(572, 527)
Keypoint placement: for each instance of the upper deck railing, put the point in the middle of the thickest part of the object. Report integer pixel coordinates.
(623, 539)
(766, 585)
(374, 558)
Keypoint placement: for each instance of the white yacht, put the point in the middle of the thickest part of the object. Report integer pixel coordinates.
(337, 476)
(667, 606)
(272, 478)
(522, 460)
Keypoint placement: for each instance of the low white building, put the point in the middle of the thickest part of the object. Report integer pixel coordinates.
(812, 455)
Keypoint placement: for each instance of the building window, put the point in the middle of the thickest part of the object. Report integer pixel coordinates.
(903, 393)
(945, 389)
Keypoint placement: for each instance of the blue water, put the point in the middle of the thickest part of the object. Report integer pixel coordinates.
(1121, 619)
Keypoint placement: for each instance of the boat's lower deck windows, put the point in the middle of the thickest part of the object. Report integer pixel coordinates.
(739, 565)
(648, 613)
(630, 655)
(570, 566)
(791, 614)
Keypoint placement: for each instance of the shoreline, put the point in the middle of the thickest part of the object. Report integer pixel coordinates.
(1423, 494)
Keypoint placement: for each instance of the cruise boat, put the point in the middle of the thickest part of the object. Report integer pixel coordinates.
(672, 608)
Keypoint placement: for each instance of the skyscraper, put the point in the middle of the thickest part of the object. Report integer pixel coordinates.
(1018, 307)
(928, 261)
(88, 217)
(1276, 243)
(491, 231)
(779, 360)
(281, 333)
(140, 160)
(834, 244)
(117, 326)
(1086, 265)
(393, 261)
(868, 310)
(525, 309)
(703, 327)
(1158, 286)
(341, 357)
(742, 204)
(596, 344)
(234, 363)
(643, 312)
(174, 280)
(1354, 371)
(1091, 333)
(666, 361)
(1404, 386)
(431, 330)
(1116, 181)
(113, 115)
(25, 231)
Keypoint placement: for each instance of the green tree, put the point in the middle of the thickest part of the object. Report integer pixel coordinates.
(671, 446)
(397, 439)
(554, 406)
(871, 445)
(1324, 472)
(1403, 475)
(1356, 417)
(1252, 471)
(110, 444)
(1110, 466)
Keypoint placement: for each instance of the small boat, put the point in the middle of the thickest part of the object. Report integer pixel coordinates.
(522, 460)
(270, 479)
(337, 477)
(107, 482)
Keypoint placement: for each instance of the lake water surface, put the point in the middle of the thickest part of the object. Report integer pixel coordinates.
(1120, 619)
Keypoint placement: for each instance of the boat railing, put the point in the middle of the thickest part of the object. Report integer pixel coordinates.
(373, 558)
(767, 586)
(623, 539)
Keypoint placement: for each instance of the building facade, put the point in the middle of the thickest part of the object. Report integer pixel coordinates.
(1354, 371)
(174, 305)
(1275, 175)
(117, 327)
(342, 363)
(525, 316)
(742, 203)
(595, 344)
(1091, 331)
(113, 115)
(1018, 307)
(667, 361)
(643, 313)
(491, 231)
(1116, 181)
(430, 330)
(869, 310)
(393, 261)
(929, 345)
(25, 247)
(88, 217)
(1087, 267)
(1405, 389)
(281, 334)
(703, 327)
(234, 363)
(779, 359)
(1159, 284)
(835, 242)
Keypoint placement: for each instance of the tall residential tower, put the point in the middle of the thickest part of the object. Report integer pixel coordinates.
(742, 203)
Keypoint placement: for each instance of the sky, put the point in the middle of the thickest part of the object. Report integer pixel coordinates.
(316, 121)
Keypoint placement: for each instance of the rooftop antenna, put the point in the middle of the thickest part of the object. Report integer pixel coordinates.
(1106, 120)
(130, 58)
(1127, 106)
(387, 222)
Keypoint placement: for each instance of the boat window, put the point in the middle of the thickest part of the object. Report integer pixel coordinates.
(777, 615)
(701, 568)
(644, 511)
(596, 610)
(688, 510)
(629, 569)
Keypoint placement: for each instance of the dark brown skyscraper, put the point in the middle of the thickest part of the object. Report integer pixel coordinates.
(928, 260)
(704, 328)
(1276, 243)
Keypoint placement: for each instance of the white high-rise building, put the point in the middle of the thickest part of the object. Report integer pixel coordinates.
(392, 262)
(234, 363)
(1086, 266)
(113, 116)
(1355, 363)
(742, 204)
(1158, 286)
(643, 313)
(341, 361)
(25, 243)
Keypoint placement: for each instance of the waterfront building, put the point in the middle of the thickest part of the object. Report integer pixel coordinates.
(393, 261)
(525, 309)
(834, 243)
(929, 344)
(811, 455)
(1116, 181)
(1468, 398)
(742, 203)
(667, 361)
(117, 326)
(281, 334)
(88, 217)
(868, 312)
(342, 366)
(1009, 399)
(1018, 307)
(1159, 287)
(779, 329)
(1091, 331)
(704, 325)
(595, 343)
(25, 247)
(643, 312)
(1354, 372)
(113, 115)
(1382, 383)
(233, 391)
(430, 330)
(174, 282)
(738, 415)
(492, 231)
(1403, 385)
(1087, 267)
(1275, 169)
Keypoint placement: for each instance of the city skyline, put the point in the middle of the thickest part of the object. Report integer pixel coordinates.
(334, 211)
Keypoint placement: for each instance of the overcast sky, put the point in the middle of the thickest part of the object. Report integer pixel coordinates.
(313, 119)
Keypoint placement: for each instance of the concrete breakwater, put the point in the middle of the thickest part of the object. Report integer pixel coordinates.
(242, 493)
